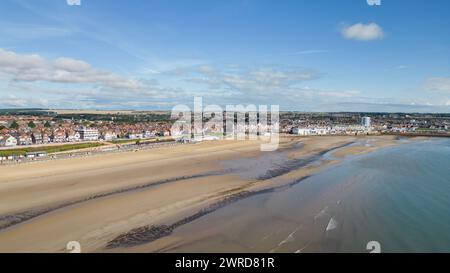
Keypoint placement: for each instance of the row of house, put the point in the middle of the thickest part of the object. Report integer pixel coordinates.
(335, 130)
(31, 130)
(63, 135)
(59, 135)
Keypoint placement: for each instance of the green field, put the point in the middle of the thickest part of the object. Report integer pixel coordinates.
(49, 149)
(123, 141)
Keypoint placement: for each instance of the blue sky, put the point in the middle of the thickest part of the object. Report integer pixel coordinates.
(316, 55)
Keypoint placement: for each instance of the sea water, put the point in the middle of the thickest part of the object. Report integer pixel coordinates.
(398, 197)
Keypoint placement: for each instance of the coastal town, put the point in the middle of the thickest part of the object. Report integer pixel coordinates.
(34, 130)
(39, 130)
(364, 123)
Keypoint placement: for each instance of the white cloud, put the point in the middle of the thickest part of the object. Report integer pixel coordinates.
(363, 32)
(438, 84)
(10, 61)
(73, 2)
(34, 68)
(36, 81)
(71, 65)
(261, 81)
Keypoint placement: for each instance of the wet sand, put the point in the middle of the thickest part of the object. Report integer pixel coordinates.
(132, 201)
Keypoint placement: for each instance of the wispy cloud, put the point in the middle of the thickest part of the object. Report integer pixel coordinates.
(388, 107)
(14, 101)
(257, 81)
(438, 84)
(399, 67)
(87, 27)
(295, 53)
(31, 31)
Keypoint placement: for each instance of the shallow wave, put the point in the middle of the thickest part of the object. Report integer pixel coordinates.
(333, 224)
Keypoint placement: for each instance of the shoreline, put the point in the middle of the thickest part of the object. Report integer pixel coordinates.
(92, 152)
(148, 234)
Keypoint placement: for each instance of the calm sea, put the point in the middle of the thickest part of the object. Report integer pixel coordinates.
(398, 197)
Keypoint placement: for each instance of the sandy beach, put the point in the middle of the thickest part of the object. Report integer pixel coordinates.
(129, 201)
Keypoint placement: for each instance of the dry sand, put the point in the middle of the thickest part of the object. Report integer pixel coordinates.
(95, 199)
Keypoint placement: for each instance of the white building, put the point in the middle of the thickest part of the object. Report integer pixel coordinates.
(108, 136)
(73, 136)
(311, 131)
(88, 134)
(136, 136)
(301, 131)
(148, 134)
(366, 122)
(8, 141)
